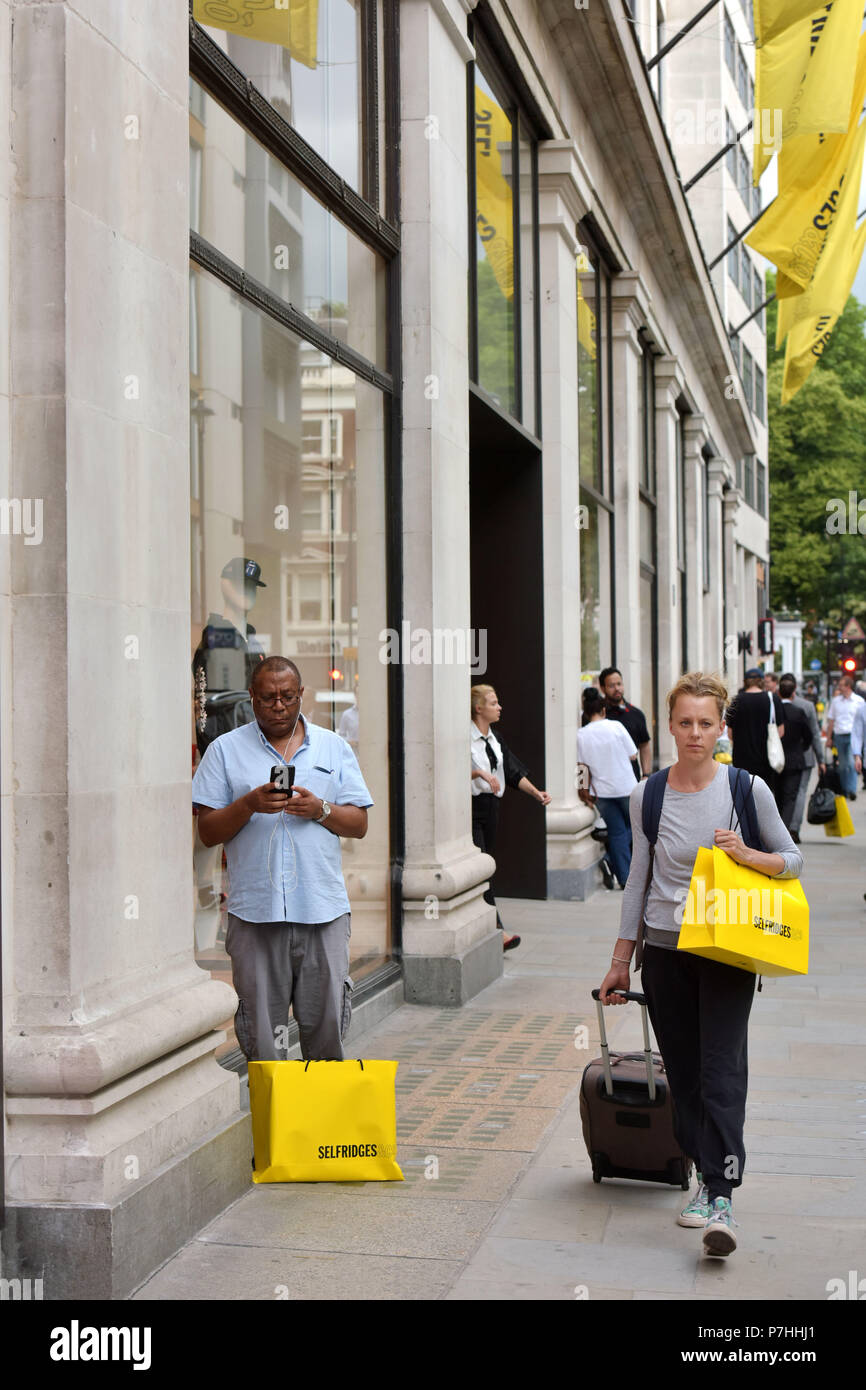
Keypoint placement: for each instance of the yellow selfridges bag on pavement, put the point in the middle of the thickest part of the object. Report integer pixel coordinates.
(324, 1121)
(741, 917)
(841, 824)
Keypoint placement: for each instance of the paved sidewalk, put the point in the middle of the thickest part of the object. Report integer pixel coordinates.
(488, 1097)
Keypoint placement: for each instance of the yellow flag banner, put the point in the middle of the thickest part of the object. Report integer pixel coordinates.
(292, 24)
(772, 17)
(827, 290)
(819, 309)
(795, 226)
(585, 312)
(808, 339)
(494, 200)
(804, 79)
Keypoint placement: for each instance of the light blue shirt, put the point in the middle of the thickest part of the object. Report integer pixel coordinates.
(282, 868)
(858, 731)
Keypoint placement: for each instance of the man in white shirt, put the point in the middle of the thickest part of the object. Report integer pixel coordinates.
(840, 723)
(604, 753)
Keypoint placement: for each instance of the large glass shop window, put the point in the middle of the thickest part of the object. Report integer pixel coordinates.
(494, 243)
(305, 59)
(259, 215)
(505, 211)
(288, 558)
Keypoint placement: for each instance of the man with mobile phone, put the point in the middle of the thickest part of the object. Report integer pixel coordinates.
(289, 915)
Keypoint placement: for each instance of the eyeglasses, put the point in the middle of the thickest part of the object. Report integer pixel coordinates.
(283, 695)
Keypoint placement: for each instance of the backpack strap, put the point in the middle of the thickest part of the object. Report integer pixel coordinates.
(651, 812)
(651, 808)
(745, 810)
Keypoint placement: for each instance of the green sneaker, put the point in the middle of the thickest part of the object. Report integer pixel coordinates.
(719, 1238)
(698, 1210)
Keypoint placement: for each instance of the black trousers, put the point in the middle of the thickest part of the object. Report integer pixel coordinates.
(787, 789)
(699, 1010)
(485, 820)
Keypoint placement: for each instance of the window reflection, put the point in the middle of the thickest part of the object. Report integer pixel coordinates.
(253, 210)
(588, 340)
(595, 606)
(305, 60)
(494, 244)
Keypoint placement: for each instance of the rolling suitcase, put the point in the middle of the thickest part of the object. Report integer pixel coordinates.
(627, 1113)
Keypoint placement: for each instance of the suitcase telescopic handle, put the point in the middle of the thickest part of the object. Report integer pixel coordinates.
(626, 993)
(605, 1052)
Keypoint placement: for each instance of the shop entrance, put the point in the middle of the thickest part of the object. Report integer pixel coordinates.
(507, 602)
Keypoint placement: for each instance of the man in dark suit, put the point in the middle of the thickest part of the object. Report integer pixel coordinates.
(797, 742)
(813, 757)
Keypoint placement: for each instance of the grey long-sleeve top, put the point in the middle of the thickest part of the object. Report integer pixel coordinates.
(688, 820)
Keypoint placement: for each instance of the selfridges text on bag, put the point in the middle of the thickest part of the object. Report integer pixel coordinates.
(324, 1121)
(741, 917)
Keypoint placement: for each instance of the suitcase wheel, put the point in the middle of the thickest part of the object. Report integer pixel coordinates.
(598, 1166)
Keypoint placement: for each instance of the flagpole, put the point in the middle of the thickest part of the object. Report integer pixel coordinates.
(735, 332)
(716, 157)
(748, 227)
(681, 35)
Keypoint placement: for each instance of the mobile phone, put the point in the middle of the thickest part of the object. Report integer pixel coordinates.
(284, 776)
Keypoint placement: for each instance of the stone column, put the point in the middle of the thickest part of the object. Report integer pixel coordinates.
(630, 306)
(451, 946)
(733, 613)
(715, 631)
(123, 1133)
(564, 198)
(668, 386)
(695, 431)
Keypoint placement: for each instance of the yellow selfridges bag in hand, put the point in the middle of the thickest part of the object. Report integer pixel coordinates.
(741, 917)
(324, 1121)
(841, 824)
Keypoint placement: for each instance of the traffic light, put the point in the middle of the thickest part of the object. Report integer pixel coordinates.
(847, 659)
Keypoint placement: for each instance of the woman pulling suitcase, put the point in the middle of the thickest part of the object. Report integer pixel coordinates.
(699, 1008)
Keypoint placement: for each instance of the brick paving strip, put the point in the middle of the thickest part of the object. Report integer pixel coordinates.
(487, 1099)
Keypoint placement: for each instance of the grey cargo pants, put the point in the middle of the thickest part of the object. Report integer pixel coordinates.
(275, 964)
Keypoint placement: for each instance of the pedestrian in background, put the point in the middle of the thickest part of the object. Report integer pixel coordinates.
(860, 688)
(858, 738)
(494, 767)
(748, 720)
(634, 720)
(812, 757)
(840, 722)
(606, 751)
(796, 743)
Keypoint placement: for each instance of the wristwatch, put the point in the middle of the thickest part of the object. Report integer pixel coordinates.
(326, 811)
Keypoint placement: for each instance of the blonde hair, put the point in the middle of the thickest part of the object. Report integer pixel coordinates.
(700, 684)
(479, 695)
